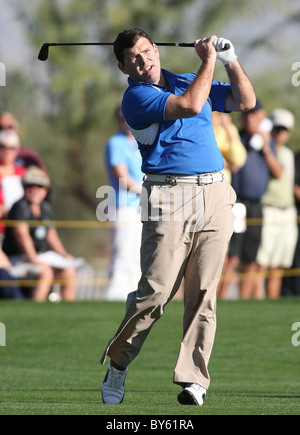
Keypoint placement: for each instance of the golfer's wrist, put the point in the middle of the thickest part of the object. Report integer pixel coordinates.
(231, 62)
(229, 59)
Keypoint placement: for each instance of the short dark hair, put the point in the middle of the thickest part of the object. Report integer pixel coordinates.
(127, 39)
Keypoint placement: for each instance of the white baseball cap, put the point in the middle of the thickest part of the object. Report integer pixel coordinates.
(283, 118)
(9, 138)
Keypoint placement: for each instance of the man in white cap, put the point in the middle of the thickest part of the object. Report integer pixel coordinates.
(279, 233)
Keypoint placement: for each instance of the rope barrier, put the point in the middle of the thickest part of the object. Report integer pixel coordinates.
(104, 281)
(59, 223)
(34, 282)
(90, 224)
(261, 274)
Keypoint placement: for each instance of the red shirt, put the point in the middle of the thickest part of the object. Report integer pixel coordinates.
(20, 171)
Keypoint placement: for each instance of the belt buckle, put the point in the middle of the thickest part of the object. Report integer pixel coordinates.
(171, 180)
(205, 179)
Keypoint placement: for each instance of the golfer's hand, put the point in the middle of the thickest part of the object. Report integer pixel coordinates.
(205, 49)
(224, 55)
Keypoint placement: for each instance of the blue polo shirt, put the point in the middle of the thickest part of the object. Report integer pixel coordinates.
(183, 146)
(120, 151)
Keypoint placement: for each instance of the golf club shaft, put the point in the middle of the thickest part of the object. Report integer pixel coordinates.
(44, 52)
(162, 44)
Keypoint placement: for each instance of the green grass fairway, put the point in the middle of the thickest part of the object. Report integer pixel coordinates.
(50, 364)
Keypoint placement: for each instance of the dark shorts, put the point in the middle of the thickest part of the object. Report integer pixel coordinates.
(246, 245)
(8, 291)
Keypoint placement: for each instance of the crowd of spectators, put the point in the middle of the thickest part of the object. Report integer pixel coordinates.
(265, 242)
(259, 163)
(32, 255)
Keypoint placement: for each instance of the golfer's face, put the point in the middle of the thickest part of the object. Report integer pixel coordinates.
(142, 62)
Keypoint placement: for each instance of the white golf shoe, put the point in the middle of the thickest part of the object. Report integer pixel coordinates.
(192, 394)
(113, 390)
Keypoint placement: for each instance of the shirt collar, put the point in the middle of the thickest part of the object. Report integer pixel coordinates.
(170, 77)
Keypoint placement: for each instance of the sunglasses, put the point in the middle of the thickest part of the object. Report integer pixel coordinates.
(29, 186)
(9, 148)
(7, 127)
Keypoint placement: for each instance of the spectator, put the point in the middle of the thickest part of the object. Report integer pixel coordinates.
(124, 163)
(250, 184)
(279, 234)
(235, 155)
(11, 188)
(29, 241)
(291, 285)
(7, 289)
(229, 142)
(26, 156)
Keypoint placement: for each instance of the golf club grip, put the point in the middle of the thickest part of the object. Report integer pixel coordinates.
(184, 44)
(174, 44)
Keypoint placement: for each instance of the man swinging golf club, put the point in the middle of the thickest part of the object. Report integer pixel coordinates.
(170, 116)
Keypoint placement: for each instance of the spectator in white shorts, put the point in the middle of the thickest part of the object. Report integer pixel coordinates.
(279, 234)
(124, 163)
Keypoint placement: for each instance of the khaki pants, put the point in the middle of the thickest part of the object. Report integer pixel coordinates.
(186, 231)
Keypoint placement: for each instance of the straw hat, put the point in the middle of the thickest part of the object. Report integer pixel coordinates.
(35, 176)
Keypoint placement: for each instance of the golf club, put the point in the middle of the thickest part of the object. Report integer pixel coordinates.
(44, 51)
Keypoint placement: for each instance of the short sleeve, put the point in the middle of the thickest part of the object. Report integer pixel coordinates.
(218, 95)
(115, 152)
(144, 105)
(20, 211)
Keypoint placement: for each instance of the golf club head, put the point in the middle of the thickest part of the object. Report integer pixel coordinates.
(44, 52)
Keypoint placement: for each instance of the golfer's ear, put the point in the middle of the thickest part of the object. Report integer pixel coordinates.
(156, 49)
(122, 68)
